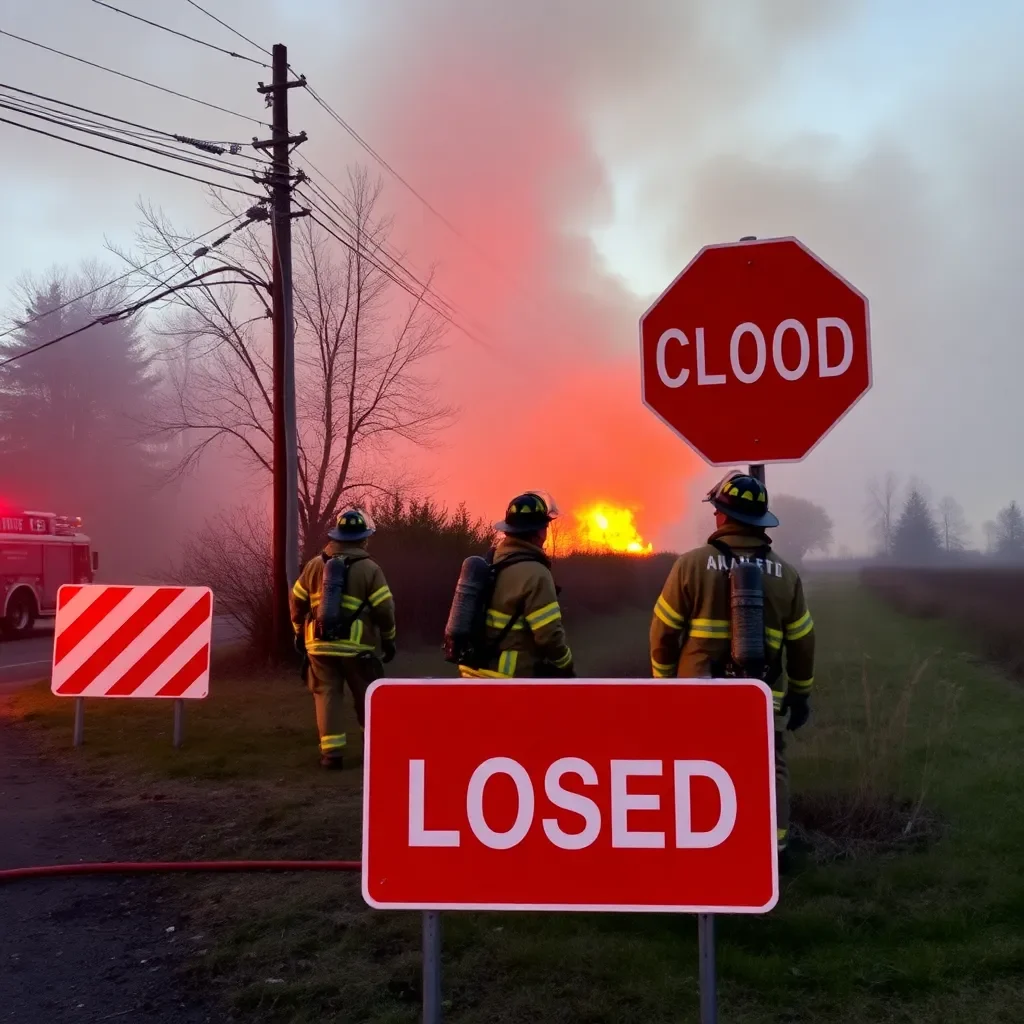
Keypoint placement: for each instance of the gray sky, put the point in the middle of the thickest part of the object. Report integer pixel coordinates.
(592, 148)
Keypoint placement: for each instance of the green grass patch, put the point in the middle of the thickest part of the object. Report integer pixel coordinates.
(926, 932)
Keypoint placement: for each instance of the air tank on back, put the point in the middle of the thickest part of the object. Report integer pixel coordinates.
(329, 612)
(746, 605)
(465, 617)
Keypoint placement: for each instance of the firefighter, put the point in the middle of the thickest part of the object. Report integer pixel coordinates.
(691, 629)
(339, 643)
(524, 632)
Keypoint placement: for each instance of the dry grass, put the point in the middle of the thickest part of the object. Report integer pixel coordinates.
(986, 602)
(916, 934)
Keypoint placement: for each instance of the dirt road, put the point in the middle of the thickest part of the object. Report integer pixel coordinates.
(86, 950)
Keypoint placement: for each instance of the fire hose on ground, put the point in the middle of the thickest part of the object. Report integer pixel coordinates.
(174, 866)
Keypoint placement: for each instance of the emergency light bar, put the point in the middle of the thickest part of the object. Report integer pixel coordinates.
(40, 523)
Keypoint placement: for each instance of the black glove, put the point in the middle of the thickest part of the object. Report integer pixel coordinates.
(300, 644)
(388, 650)
(799, 707)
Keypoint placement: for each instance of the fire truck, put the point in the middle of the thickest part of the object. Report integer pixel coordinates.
(39, 551)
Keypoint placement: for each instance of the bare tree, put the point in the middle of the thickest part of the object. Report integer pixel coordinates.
(231, 554)
(952, 525)
(882, 509)
(991, 534)
(360, 346)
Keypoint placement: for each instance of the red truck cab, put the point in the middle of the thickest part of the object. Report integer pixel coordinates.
(39, 552)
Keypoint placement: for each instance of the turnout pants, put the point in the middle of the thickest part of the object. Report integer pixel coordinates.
(326, 678)
(781, 787)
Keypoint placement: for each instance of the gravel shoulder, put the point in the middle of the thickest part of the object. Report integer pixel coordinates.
(82, 950)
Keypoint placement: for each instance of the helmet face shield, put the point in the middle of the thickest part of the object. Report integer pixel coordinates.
(553, 510)
(528, 512)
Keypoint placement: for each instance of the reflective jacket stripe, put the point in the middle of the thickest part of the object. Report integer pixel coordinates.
(544, 616)
(668, 614)
(799, 629)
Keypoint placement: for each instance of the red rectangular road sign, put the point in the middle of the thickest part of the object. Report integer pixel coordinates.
(599, 795)
(123, 641)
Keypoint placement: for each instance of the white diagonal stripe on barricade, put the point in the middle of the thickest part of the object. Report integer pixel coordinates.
(80, 603)
(175, 661)
(104, 629)
(143, 642)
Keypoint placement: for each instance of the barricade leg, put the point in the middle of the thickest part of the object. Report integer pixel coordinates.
(79, 733)
(179, 722)
(431, 967)
(708, 978)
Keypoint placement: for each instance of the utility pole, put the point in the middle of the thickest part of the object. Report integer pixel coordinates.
(285, 462)
(756, 469)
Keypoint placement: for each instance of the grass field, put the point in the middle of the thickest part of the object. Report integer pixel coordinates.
(899, 932)
(985, 602)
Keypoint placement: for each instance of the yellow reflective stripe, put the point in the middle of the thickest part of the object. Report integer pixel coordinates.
(544, 616)
(801, 685)
(668, 614)
(800, 628)
(499, 620)
(351, 604)
(564, 660)
(356, 635)
(380, 596)
(710, 629)
(479, 673)
(507, 663)
(781, 833)
(300, 591)
(388, 634)
(662, 671)
(774, 638)
(335, 741)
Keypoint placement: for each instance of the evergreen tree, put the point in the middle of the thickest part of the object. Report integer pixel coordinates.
(1009, 534)
(916, 537)
(71, 439)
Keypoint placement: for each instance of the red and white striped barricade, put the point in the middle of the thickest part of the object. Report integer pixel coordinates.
(129, 641)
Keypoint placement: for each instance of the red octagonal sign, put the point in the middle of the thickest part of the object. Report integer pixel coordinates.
(755, 351)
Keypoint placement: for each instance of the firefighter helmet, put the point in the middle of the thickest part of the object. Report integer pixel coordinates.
(528, 513)
(353, 524)
(744, 498)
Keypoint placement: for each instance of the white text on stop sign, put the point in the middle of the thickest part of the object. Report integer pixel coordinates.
(748, 352)
(622, 802)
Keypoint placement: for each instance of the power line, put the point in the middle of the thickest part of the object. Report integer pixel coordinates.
(376, 156)
(401, 284)
(129, 159)
(182, 35)
(229, 28)
(381, 246)
(173, 251)
(121, 314)
(170, 154)
(132, 124)
(132, 78)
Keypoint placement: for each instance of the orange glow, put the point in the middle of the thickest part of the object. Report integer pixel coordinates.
(603, 527)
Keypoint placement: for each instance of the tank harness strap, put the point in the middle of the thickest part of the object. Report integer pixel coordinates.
(496, 568)
(364, 604)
